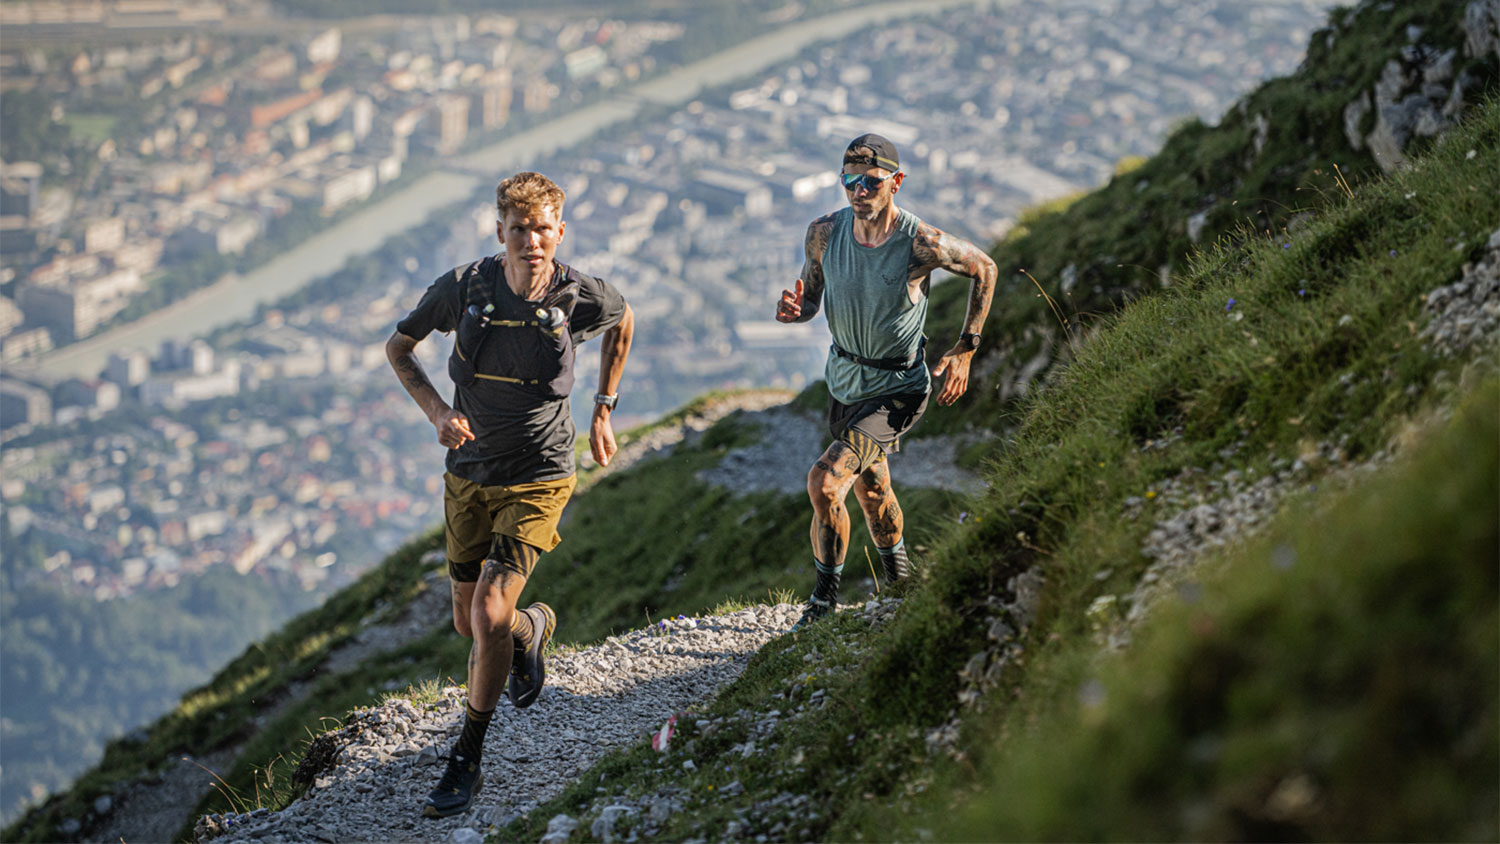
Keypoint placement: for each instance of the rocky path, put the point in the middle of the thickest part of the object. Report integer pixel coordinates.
(661, 440)
(790, 441)
(612, 695)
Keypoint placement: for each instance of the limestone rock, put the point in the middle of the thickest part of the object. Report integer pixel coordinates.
(1482, 28)
(559, 829)
(1354, 117)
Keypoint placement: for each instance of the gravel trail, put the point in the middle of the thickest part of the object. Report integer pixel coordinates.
(611, 695)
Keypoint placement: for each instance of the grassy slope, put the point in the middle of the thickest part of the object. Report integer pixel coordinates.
(1347, 693)
(1293, 370)
(1351, 696)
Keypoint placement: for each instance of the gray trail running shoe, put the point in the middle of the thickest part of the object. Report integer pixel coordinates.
(456, 790)
(527, 670)
(814, 610)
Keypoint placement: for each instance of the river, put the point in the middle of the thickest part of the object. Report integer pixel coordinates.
(235, 298)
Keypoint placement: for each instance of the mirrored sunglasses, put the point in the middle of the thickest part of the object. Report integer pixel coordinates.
(870, 183)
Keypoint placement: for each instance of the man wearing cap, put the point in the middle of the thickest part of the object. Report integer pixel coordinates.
(871, 263)
(518, 318)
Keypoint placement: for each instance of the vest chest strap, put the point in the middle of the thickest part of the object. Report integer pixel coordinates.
(889, 364)
(506, 379)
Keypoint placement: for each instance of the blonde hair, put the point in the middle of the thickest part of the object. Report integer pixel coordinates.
(528, 192)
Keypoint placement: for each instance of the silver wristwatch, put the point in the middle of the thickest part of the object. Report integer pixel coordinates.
(607, 401)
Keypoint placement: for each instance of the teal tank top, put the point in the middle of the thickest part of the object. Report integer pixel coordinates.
(869, 311)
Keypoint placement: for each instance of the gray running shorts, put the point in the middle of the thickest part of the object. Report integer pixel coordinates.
(883, 418)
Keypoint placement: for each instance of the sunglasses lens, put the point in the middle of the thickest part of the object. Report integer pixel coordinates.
(870, 183)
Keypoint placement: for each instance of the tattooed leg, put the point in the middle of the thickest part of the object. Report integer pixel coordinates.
(883, 516)
(827, 486)
(490, 614)
(878, 500)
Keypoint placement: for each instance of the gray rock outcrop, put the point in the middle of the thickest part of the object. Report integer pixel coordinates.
(1420, 94)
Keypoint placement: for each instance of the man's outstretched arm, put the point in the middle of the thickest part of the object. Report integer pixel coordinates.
(452, 427)
(801, 303)
(616, 348)
(934, 249)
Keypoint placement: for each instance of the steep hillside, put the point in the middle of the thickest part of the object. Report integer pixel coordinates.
(1287, 633)
(1285, 351)
(1234, 579)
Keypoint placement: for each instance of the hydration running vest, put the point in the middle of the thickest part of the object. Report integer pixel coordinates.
(504, 338)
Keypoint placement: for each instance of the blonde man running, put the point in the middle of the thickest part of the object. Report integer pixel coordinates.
(520, 316)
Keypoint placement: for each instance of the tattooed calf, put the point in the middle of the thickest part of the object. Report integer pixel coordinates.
(830, 543)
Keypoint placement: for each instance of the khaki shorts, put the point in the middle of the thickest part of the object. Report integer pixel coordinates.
(475, 514)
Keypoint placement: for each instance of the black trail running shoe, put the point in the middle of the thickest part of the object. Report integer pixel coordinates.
(814, 610)
(527, 671)
(456, 790)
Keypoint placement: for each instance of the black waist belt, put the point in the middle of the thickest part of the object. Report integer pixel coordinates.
(892, 364)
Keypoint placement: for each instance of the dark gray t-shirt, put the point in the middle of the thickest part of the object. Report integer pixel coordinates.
(522, 432)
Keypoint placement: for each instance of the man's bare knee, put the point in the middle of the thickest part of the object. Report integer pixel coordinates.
(815, 478)
(825, 490)
(834, 471)
(461, 623)
(493, 604)
(463, 596)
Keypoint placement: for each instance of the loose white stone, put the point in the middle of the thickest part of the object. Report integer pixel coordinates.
(559, 829)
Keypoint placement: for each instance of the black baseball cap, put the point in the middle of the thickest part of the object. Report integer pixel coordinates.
(874, 150)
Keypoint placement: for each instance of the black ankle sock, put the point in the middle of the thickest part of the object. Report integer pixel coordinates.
(827, 589)
(471, 742)
(894, 561)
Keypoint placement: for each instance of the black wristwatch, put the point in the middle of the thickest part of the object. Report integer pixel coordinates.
(968, 341)
(607, 401)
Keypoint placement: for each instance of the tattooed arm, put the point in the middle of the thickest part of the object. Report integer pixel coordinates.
(801, 303)
(611, 365)
(933, 249)
(452, 427)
